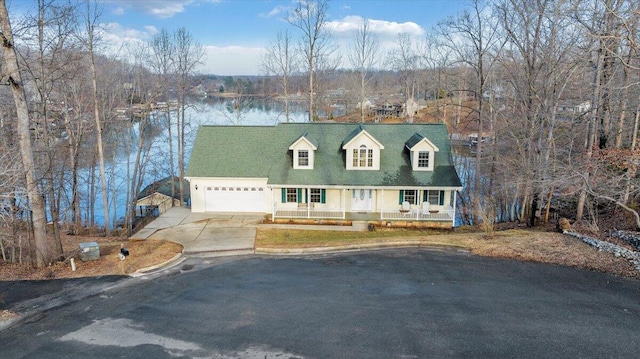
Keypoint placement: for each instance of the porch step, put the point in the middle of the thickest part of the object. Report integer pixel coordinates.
(359, 226)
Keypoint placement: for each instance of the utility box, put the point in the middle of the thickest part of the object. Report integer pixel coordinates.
(89, 251)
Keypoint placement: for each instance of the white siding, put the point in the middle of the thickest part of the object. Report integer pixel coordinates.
(230, 195)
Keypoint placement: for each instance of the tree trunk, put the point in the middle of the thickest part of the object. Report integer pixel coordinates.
(311, 99)
(39, 218)
(96, 113)
(47, 181)
(592, 131)
(172, 169)
(182, 154)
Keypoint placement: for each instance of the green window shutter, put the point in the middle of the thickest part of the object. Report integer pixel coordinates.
(323, 196)
(401, 197)
(299, 195)
(284, 195)
(425, 196)
(442, 198)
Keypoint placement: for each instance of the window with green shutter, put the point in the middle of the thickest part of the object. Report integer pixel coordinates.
(433, 197)
(408, 195)
(290, 195)
(317, 195)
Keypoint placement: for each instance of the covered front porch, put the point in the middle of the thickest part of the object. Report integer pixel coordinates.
(366, 204)
(308, 213)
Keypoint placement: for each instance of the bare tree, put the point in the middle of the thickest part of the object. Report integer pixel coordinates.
(74, 94)
(188, 54)
(405, 60)
(363, 56)
(539, 65)
(612, 24)
(310, 17)
(279, 60)
(11, 184)
(13, 78)
(162, 63)
(439, 84)
(472, 37)
(89, 38)
(49, 33)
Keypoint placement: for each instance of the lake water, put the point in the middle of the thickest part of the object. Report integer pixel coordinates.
(258, 113)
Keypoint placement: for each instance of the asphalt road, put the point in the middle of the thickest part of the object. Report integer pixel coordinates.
(409, 303)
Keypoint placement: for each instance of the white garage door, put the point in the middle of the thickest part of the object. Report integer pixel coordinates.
(235, 199)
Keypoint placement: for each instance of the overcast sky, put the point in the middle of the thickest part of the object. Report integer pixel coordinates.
(235, 33)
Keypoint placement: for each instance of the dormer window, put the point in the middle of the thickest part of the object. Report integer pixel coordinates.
(303, 158)
(423, 159)
(303, 153)
(363, 157)
(422, 152)
(362, 151)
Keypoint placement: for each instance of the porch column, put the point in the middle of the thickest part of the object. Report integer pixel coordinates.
(307, 195)
(381, 204)
(420, 194)
(273, 205)
(344, 203)
(453, 215)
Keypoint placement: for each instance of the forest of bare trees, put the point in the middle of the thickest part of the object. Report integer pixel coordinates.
(553, 85)
(76, 109)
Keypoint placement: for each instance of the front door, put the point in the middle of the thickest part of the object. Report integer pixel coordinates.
(361, 200)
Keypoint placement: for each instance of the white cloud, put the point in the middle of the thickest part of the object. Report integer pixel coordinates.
(228, 60)
(383, 28)
(115, 30)
(385, 31)
(280, 9)
(232, 60)
(118, 11)
(159, 8)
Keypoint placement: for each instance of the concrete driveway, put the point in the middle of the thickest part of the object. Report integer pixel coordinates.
(204, 233)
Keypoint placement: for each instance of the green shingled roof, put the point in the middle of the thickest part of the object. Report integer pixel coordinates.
(414, 140)
(263, 152)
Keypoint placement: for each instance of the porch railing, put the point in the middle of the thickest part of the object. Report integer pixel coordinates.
(394, 214)
(309, 213)
(418, 215)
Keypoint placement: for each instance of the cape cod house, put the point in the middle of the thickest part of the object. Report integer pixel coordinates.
(381, 173)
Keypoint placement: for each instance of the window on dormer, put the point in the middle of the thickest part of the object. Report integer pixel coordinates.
(303, 158)
(363, 157)
(423, 159)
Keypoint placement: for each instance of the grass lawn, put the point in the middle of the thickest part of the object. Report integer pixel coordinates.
(285, 238)
(520, 244)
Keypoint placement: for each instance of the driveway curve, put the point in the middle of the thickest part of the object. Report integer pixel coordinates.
(400, 303)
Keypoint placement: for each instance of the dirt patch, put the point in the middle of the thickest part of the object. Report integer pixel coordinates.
(142, 254)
